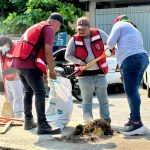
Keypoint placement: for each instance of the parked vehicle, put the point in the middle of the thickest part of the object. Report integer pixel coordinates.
(68, 69)
(146, 80)
(113, 76)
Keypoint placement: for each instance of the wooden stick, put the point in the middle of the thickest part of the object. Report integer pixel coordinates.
(82, 68)
(13, 119)
(6, 127)
(92, 62)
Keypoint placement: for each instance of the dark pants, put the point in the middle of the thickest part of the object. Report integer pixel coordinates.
(133, 69)
(32, 81)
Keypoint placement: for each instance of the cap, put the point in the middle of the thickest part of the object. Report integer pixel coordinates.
(82, 23)
(57, 16)
(121, 18)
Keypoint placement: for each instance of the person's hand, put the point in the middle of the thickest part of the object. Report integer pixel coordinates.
(45, 78)
(113, 51)
(52, 75)
(121, 75)
(82, 63)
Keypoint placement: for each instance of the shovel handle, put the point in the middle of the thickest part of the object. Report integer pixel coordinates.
(72, 74)
(82, 68)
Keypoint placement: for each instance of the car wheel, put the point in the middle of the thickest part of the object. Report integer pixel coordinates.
(148, 91)
(76, 91)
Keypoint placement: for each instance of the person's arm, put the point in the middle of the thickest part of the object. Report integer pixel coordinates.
(104, 36)
(70, 52)
(114, 36)
(49, 35)
(50, 60)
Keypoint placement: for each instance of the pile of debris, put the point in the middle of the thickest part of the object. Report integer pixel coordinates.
(92, 131)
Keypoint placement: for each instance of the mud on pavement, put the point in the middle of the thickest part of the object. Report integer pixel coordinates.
(89, 132)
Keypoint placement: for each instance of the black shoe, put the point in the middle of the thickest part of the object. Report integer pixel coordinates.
(45, 128)
(126, 125)
(108, 121)
(135, 128)
(29, 124)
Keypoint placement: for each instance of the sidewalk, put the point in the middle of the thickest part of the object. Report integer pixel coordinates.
(17, 138)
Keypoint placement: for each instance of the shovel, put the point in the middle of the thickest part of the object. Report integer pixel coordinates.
(105, 54)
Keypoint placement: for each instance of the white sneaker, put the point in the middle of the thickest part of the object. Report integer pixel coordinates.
(134, 130)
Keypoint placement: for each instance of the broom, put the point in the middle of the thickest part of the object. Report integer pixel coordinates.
(7, 110)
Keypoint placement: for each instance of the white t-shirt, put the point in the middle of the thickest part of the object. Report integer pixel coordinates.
(128, 40)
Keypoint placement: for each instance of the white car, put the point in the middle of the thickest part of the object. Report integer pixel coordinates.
(113, 76)
(146, 80)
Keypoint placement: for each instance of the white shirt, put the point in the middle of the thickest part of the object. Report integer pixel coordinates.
(128, 40)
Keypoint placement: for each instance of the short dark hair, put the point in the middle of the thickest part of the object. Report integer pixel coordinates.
(4, 39)
(57, 16)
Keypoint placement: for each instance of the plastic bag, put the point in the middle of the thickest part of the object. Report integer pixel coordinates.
(60, 103)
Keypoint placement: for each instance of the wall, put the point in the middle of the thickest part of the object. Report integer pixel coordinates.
(139, 15)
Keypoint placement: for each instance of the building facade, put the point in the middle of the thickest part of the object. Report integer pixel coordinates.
(103, 12)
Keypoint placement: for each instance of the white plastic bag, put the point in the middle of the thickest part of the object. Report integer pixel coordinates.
(60, 103)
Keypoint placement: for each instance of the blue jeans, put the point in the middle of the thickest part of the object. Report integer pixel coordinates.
(133, 69)
(88, 85)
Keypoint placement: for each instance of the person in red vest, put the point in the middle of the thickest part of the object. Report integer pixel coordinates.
(31, 56)
(13, 85)
(83, 47)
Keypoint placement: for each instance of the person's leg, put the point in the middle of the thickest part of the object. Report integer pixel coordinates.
(133, 68)
(101, 93)
(17, 90)
(28, 94)
(27, 99)
(86, 85)
(35, 81)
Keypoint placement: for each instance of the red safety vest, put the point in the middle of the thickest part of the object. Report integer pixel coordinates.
(7, 60)
(97, 47)
(28, 42)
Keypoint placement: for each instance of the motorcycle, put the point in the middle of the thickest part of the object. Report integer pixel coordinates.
(68, 69)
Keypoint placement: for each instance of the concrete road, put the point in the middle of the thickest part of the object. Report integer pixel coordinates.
(17, 138)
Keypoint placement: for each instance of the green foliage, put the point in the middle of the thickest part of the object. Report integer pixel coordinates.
(4, 4)
(33, 11)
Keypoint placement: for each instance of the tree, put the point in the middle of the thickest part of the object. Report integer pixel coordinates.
(33, 11)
